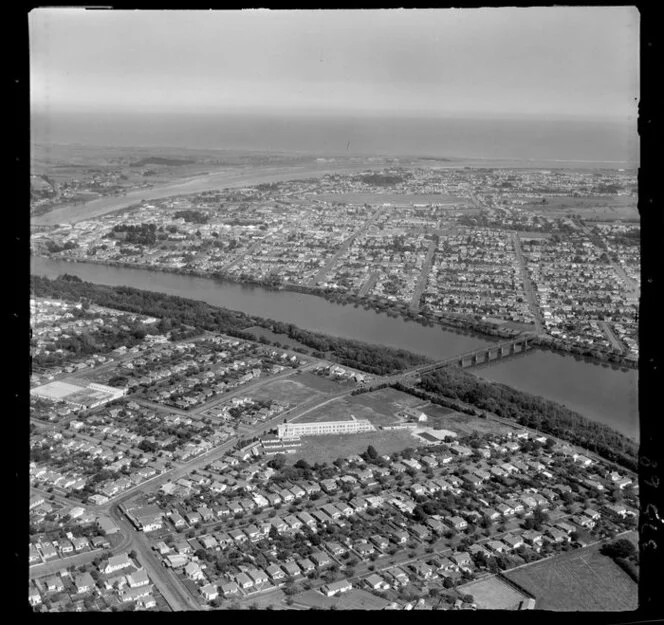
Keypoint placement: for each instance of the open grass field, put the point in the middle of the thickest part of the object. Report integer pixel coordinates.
(290, 391)
(329, 448)
(580, 580)
(379, 407)
(354, 599)
(493, 594)
(262, 601)
(462, 424)
(593, 208)
(338, 410)
(322, 384)
(387, 401)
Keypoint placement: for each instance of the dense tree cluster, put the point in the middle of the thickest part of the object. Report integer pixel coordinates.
(623, 552)
(533, 412)
(192, 216)
(141, 234)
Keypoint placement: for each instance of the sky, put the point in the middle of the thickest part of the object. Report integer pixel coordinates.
(554, 62)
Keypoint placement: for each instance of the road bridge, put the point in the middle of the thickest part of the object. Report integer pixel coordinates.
(476, 357)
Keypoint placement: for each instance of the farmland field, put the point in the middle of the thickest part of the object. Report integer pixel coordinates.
(579, 580)
(329, 448)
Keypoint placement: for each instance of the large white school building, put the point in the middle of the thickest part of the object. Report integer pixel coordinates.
(319, 428)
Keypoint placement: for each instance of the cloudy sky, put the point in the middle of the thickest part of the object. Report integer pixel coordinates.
(555, 62)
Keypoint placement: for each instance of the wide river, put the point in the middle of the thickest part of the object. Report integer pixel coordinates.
(600, 393)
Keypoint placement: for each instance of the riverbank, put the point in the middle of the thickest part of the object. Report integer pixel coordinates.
(450, 323)
(600, 393)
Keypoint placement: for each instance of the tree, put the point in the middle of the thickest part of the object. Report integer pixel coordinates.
(621, 548)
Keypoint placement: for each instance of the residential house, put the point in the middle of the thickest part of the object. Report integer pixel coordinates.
(462, 560)
(138, 578)
(375, 582)
(84, 582)
(229, 588)
(335, 588)
(275, 573)
(210, 592)
(193, 571)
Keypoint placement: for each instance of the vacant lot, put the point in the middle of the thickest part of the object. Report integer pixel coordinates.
(494, 594)
(580, 580)
(329, 448)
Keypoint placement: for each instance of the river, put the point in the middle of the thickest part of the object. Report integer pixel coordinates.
(213, 181)
(599, 393)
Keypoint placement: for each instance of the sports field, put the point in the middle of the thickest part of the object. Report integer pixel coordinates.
(582, 580)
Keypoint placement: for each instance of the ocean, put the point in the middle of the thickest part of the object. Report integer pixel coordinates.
(561, 143)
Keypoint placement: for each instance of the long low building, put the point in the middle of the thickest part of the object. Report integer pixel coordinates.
(319, 428)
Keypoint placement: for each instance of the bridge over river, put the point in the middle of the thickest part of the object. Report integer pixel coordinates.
(476, 357)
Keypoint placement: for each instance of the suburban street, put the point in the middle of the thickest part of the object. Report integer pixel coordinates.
(528, 288)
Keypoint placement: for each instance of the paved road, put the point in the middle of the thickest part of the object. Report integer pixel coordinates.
(342, 250)
(613, 339)
(237, 258)
(176, 595)
(369, 284)
(528, 288)
(622, 276)
(424, 276)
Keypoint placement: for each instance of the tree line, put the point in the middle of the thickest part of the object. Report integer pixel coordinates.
(176, 312)
(534, 412)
